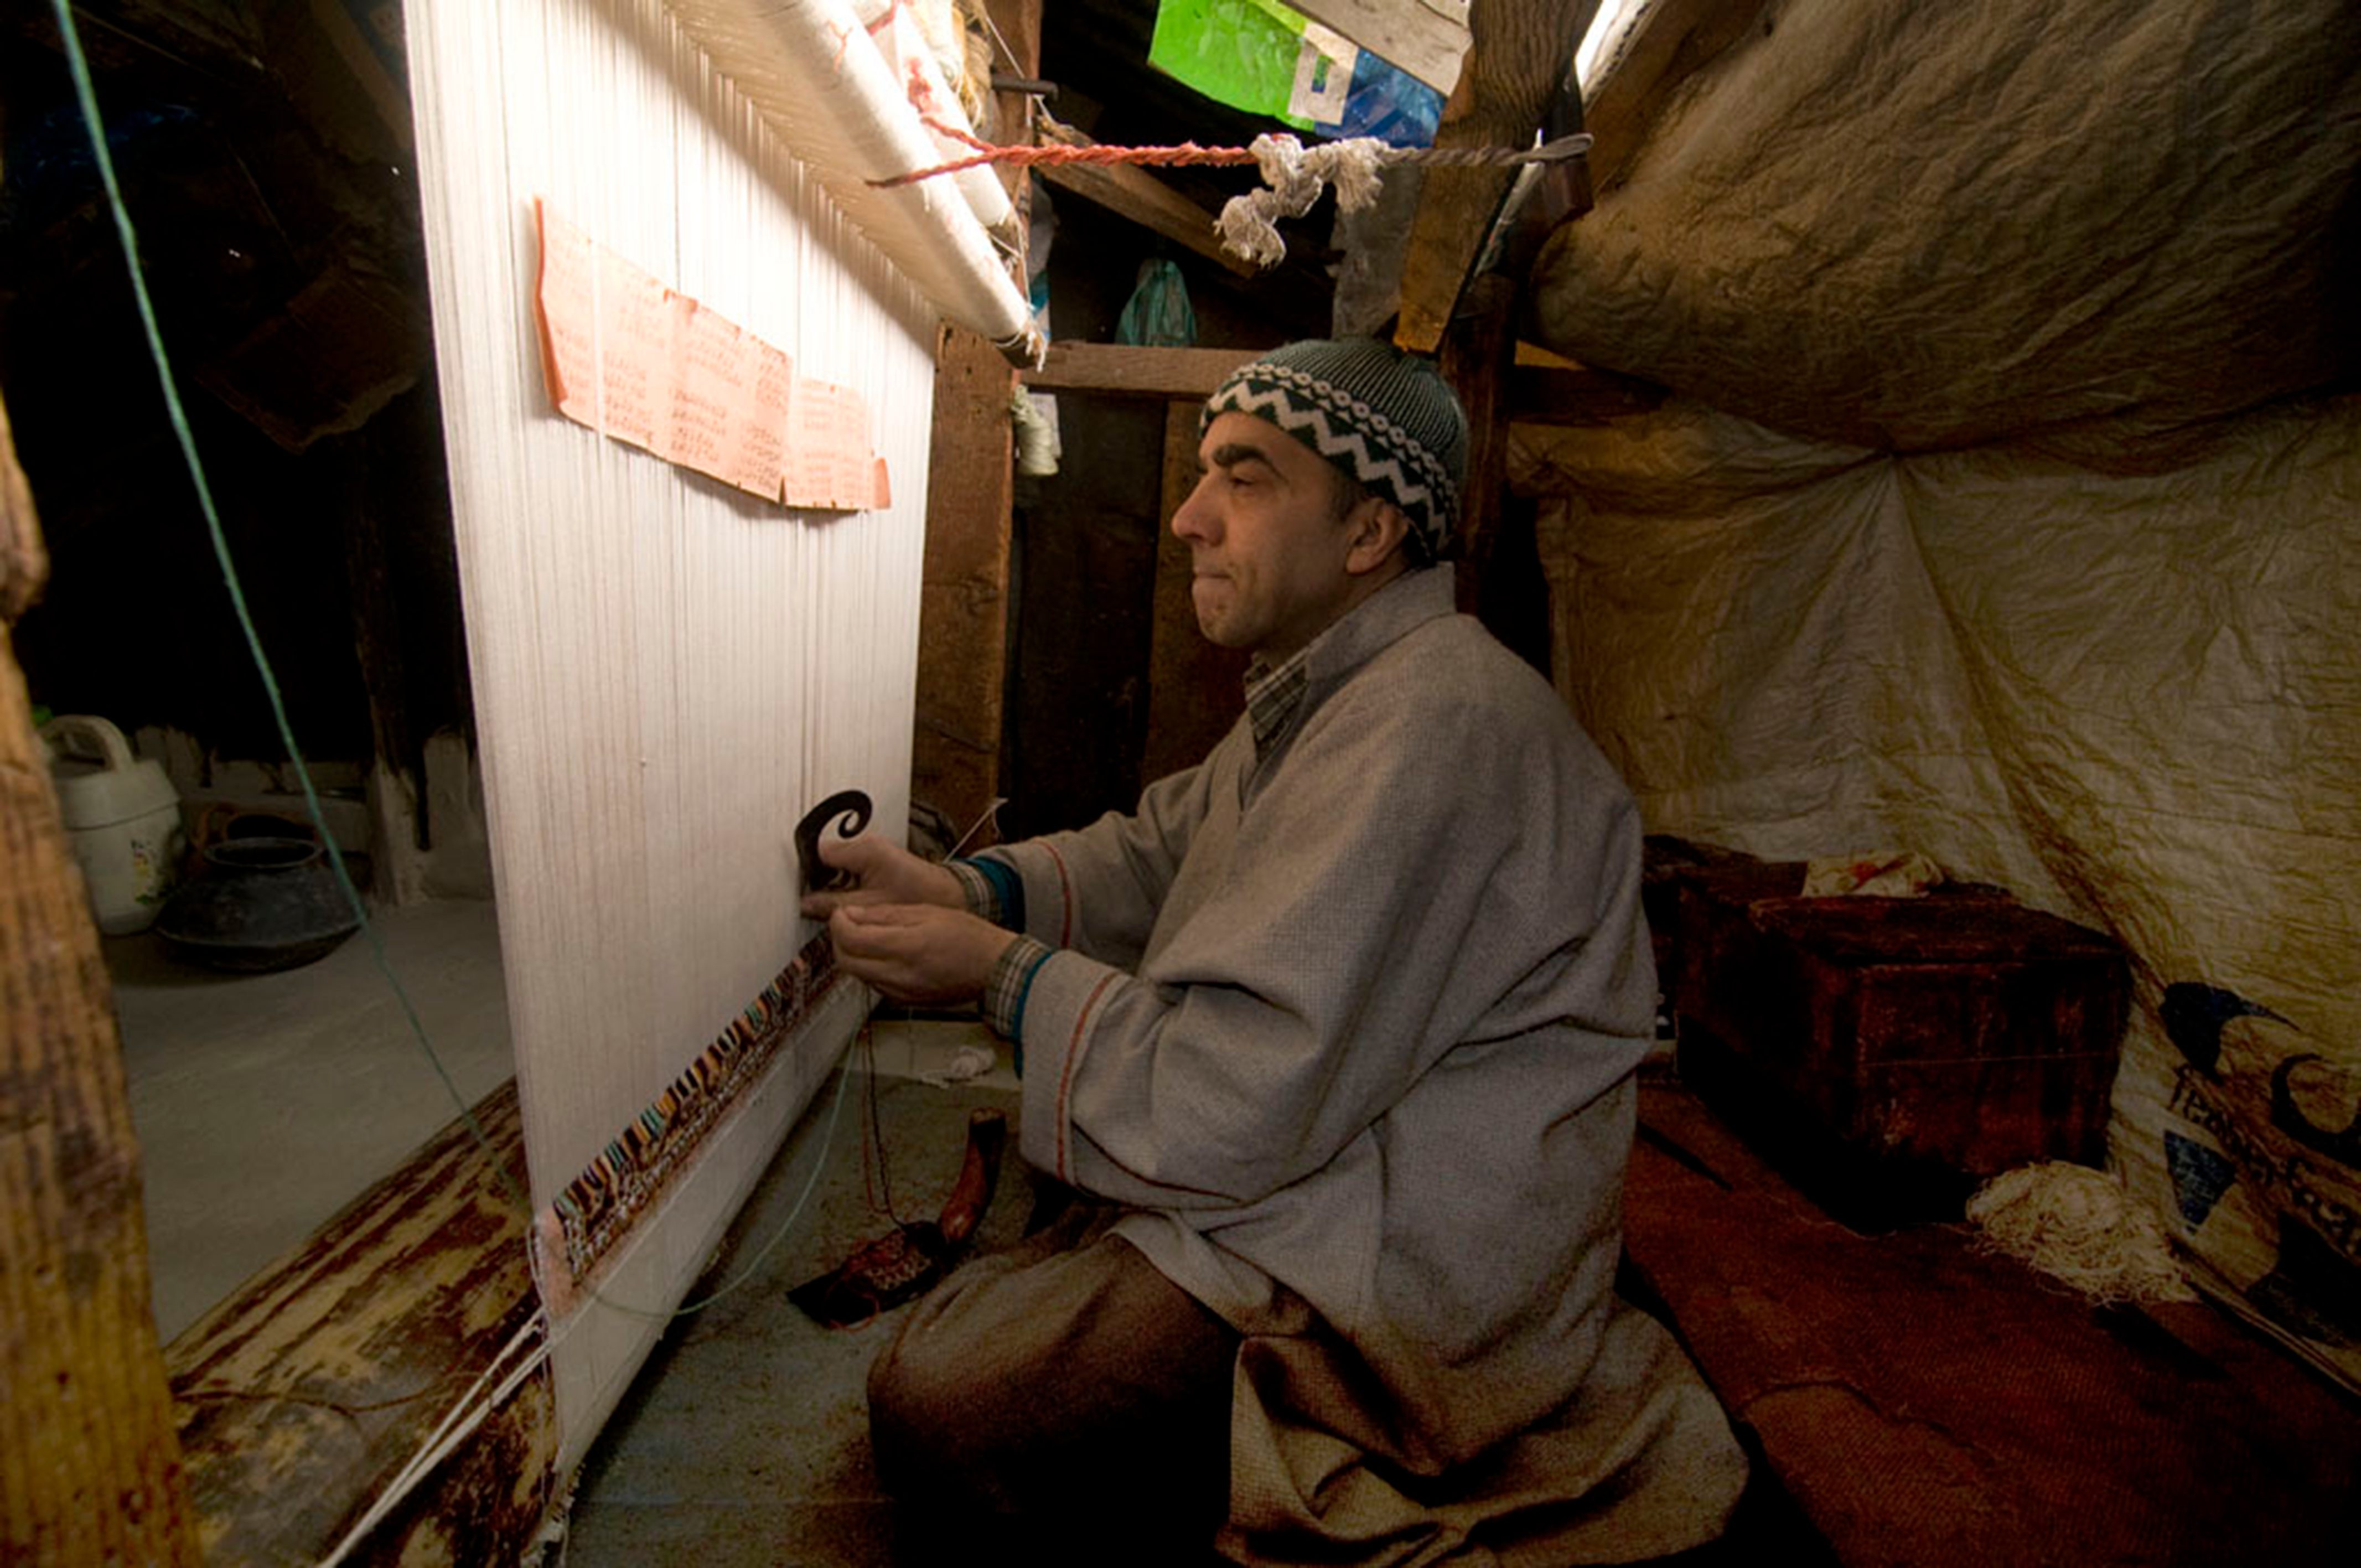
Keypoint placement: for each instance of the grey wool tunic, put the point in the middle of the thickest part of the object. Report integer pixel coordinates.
(1348, 1021)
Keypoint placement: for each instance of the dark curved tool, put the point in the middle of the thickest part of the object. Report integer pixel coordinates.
(853, 807)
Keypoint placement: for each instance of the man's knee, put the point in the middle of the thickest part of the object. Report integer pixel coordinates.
(1015, 1380)
(909, 1389)
(923, 1411)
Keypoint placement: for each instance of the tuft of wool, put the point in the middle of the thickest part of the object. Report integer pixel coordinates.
(2077, 1225)
(1293, 178)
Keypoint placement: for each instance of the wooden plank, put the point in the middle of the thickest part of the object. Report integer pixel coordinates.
(486, 1502)
(1559, 191)
(210, 46)
(1523, 53)
(1194, 687)
(307, 1390)
(1476, 360)
(90, 1472)
(1574, 395)
(1672, 41)
(955, 753)
(963, 584)
(1017, 24)
(1426, 38)
(1121, 371)
(1137, 194)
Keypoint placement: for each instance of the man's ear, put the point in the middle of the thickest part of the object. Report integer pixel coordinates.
(1377, 528)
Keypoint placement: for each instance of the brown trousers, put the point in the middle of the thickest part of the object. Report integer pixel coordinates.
(1059, 1401)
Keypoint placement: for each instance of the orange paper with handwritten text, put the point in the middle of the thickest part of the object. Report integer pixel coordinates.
(631, 358)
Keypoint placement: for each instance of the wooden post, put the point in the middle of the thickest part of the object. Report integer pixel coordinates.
(971, 505)
(1477, 354)
(963, 594)
(90, 1471)
(1517, 62)
(397, 858)
(1675, 40)
(1019, 25)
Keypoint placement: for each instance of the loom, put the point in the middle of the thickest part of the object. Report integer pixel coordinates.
(668, 669)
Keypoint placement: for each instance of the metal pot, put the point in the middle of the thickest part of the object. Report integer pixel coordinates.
(260, 904)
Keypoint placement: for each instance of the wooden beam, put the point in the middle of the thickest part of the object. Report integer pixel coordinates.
(90, 1472)
(1476, 356)
(1426, 38)
(1672, 41)
(1120, 370)
(1140, 196)
(1017, 53)
(1522, 55)
(23, 563)
(1540, 394)
(304, 1394)
(963, 584)
(971, 500)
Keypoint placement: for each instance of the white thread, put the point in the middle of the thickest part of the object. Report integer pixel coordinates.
(622, 612)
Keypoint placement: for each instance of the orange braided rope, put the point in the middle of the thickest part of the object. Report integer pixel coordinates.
(1189, 152)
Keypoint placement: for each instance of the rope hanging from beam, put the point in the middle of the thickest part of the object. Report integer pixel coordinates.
(1293, 175)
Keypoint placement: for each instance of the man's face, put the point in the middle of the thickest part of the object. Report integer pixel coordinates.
(1264, 537)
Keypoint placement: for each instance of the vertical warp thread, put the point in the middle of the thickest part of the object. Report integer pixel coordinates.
(666, 672)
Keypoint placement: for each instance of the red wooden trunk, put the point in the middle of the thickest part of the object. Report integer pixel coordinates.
(1894, 1052)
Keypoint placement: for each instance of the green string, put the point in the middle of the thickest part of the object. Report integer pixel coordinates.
(88, 96)
(179, 416)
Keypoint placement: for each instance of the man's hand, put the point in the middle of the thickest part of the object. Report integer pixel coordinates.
(916, 952)
(888, 874)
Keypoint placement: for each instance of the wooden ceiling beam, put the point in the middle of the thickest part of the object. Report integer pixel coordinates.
(1425, 39)
(1669, 44)
(1520, 59)
(1542, 394)
(1140, 196)
(1561, 393)
(1120, 370)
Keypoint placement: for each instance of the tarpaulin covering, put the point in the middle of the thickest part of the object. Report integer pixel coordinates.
(2134, 700)
(1914, 226)
(2008, 511)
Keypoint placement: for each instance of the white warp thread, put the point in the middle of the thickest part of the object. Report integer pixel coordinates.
(666, 672)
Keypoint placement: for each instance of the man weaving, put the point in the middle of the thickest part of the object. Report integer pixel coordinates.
(1336, 1035)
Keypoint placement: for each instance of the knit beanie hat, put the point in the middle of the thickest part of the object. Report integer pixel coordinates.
(1383, 416)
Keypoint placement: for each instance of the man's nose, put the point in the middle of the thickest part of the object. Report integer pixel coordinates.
(1195, 519)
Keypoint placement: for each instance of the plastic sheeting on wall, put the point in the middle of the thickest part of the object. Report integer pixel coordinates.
(1920, 226)
(1269, 59)
(2135, 700)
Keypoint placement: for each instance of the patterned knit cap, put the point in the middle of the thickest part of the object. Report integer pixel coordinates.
(1383, 416)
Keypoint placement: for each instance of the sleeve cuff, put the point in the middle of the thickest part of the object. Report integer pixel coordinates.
(1010, 982)
(976, 888)
(994, 890)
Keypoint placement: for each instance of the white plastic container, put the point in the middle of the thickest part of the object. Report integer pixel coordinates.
(123, 815)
